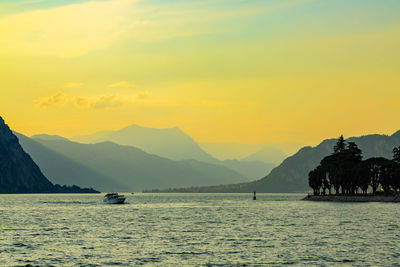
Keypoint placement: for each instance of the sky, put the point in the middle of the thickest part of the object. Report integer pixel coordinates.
(246, 71)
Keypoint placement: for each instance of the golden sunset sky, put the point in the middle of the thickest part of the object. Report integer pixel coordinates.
(222, 70)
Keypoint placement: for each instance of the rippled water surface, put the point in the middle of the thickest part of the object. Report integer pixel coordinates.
(196, 229)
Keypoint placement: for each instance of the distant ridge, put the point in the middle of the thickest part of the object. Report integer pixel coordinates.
(48, 137)
(275, 155)
(19, 173)
(124, 168)
(170, 143)
(63, 170)
(292, 174)
(174, 144)
(245, 152)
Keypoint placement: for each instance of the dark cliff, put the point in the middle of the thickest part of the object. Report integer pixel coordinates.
(19, 173)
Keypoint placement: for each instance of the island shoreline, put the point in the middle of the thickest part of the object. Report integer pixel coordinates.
(354, 198)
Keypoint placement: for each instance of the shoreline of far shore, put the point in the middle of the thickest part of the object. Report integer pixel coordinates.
(354, 198)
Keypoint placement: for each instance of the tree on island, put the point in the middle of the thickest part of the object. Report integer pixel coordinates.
(347, 173)
(340, 145)
(396, 155)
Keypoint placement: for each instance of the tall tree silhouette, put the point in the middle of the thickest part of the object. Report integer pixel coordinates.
(354, 151)
(314, 181)
(330, 165)
(340, 145)
(374, 172)
(396, 155)
(395, 178)
(363, 177)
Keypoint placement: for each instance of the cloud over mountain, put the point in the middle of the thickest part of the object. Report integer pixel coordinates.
(103, 101)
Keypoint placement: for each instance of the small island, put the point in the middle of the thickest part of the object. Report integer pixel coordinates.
(353, 179)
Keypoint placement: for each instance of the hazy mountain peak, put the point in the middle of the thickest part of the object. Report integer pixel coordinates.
(48, 137)
(171, 143)
(246, 152)
(132, 126)
(137, 126)
(267, 154)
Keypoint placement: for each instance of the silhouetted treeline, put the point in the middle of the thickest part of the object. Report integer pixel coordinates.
(72, 189)
(345, 172)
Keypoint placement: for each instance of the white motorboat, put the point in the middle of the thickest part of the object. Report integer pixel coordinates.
(113, 198)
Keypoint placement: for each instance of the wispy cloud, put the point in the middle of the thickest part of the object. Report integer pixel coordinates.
(104, 101)
(59, 99)
(122, 84)
(101, 101)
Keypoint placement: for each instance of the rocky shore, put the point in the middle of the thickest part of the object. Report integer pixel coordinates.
(359, 198)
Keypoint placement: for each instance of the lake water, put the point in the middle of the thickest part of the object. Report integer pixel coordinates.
(196, 229)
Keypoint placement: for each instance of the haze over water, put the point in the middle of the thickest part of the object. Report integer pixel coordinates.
(196, 229)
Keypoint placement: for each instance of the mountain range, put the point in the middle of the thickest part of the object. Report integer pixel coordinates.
(20, 174)
(170, 143)
(110, 162)
(292, 174)
(174, 144)
(114, 167)
(63, 170)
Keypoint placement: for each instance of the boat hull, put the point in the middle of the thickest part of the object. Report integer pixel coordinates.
(120, 200)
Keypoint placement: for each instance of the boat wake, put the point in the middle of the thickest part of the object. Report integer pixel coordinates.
(67, 202)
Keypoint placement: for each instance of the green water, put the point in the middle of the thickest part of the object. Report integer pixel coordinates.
(196, 229)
